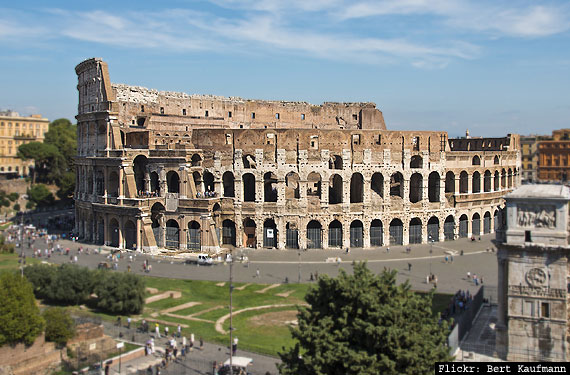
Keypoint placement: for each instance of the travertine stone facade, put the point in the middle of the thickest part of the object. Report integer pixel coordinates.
(532, 321)
(161, 169)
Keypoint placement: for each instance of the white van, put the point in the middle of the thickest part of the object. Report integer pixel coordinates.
(200, 259)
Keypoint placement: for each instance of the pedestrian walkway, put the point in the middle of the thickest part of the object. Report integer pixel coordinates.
(479, 344)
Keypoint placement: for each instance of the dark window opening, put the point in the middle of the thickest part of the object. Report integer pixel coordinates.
(355, 117)
(277, 116)
(183, 111)
(206, 115)
(545, 310)
(230, 114)
(379, 140)
(253, 115)
(302, 116)
(527, 237)
(142, 108)
(162, 110)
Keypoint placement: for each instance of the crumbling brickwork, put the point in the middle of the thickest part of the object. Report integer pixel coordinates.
(190, 172)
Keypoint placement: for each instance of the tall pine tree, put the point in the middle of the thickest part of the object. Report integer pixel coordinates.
(365, 324)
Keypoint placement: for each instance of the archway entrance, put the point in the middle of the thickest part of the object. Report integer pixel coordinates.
(314, 235)
(172, 234)
(476, 225)
(376, 233)
(228, 232)
(194, 236)
(396, 232)
(292, 241)
(415, 230)
(433, 229)
(114, 232)
(335, 234)
(487, 222)
(449, 228)
(249, 228)
(463, 226)
(269, 233)
(356, 234)
(130, 233)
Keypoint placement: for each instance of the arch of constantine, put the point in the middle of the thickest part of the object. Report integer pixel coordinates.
(198, 172)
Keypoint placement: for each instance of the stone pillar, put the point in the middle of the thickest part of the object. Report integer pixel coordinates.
(94, 174)
(303, 193)
(470, 183)
(366, 235)
(441, 228)
(183, 241)
(405, 231)
(302, 236)
(425, 238)
(345, 234)
(442, 191)
(281, 192)
(386, 189)
(259, 189)
(456, 182)
(324, 193)
(120, 230)
(146, 182)
(121, 183)
(406, 193)
(139, 234)
(259, 233)
(106, 237)
(281, 233)
(501, 326)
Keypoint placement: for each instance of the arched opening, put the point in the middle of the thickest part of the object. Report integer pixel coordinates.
(487, 181)
(487, 222)
(476, 224)
(476, 182)
(114, 232)
(249, 161)
(269, 233)
(433, 186)
(208, 182)
(228, 232)
(270, 187)
(356, 188)
(463, 183)
(510, 178)
(449, 228)
(314, 235)
(496, 181)
(122, 138)
(314, 185)
(335, 189)
(376, 233)
(173, 182)
(249, 228)
(396, 232)
(503, 179)
(197, 178)
(196, 160)
(496, 160)
(292, 240)
(139, 167)
(99, 183)
(154, 184)
(89, 183)
(397, 185)
(335, 162)
(433, 229)
(356, 234)
(172, 234)
(416, 161)
(248, 187)
(194, 236)
(228, 182)
(415, 230)
(157, 216)
(292, 186)
(113, 184)
(476, 160)
(130, 234)
(335, 234)
(463, 226)
(450, 182)
(416, 187)
(377, 186)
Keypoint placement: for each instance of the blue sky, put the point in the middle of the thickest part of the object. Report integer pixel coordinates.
(494, 67)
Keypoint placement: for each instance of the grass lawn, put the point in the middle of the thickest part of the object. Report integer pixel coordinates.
(10, 262)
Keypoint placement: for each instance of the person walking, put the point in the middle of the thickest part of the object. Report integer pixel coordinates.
(179, 330)
(157, 330)
(166, 331)
(409, 267)
(257, 273)
(129, 322)
(201, 343)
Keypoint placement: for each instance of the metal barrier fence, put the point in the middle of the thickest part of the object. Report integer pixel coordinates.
(516, 354)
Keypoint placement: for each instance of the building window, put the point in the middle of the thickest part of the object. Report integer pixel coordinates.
(356, 139)
(315, 142)
(527, 237)
(206, 114)
(230, 114)
(277, 116)
(355, 117)
(545, 310)
(142, 108)
(183, 111)
(253, 115)
(302, 116)
(379, 139)
(162, 110)
(228, 139)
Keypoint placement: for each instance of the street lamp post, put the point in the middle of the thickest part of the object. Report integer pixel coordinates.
(299, 280)
(430, 252)
(231, 327)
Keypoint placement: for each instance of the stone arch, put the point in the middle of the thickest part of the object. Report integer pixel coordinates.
(463, 225)
(476, 160)
(248, 187)
(208, 179)
(314, 185)
(228, 232)
(249, 161)
(377, 185)
(463, 182)
(113, 184)
(292, 186)
(228, 181)
(114, 232)
(196, 160)
(335, 234)
(476, 186)
(496, 160)
(356, 188)
(476, 224)
(416, 187)
(173, 182)
(292, 236)
(335, 162)
(433, 229)
(172, 234)
(249, 231)
(433, 187)
(449, 228)
(376, 233)
(487, 181)
(496, 181)
(416, 161)
(154, 183)
(487, 223)
(503, 178)
(450, 182)
(510, 178)
(194, 236)
(270, 233)
(415, 232)
(270, 187)
(396, 232)
(314, 235)
(140, 164)
(130, 235)
(397, 185)
(356, 234)
(335, 189)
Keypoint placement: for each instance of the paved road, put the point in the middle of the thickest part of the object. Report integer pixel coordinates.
(277, 265)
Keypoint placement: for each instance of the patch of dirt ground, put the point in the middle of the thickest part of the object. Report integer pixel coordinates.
(275, 318)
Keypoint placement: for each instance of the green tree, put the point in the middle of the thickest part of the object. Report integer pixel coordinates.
(120, 293)
(40, 195)
(365, 324)
(48, 161)
(41, 276)
(59, 325)
(17, 207)
(72, 285)
(66, 186)
(20, 319)
(13, 196)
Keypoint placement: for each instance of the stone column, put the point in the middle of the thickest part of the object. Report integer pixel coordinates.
(146, 182)
(366, 234)
(325, 233)
(94, 183)
(139, 235)
(121, 183)
(120, 230)
(442, 191)
(406, 193)
(470, 183)
(259, 234)
(405, 231)
(281, 192)
(324, 193)
(345, 234)
(281, 233)
(386, 189)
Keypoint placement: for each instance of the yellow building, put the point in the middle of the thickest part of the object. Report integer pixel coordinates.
(16, 130)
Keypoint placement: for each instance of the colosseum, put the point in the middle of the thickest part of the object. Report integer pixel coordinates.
(166, 170)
